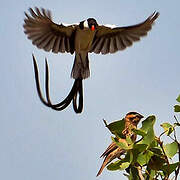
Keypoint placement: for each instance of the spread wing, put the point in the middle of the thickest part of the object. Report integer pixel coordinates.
(47, 35)
(110, 40)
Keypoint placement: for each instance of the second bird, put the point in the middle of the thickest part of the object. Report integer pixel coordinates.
(114, 151)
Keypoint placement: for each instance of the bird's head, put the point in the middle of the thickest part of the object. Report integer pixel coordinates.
(133, 117)
(89, 23)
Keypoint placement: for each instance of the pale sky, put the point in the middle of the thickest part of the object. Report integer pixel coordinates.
(39, 143)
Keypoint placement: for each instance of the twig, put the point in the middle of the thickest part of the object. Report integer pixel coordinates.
(161, 145)
(140, 172)
(162, 134)
(176, 119)
(178, 169)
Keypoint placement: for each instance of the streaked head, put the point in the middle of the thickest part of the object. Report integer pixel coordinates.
(134, 117)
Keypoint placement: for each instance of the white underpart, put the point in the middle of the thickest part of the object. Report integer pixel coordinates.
(86, 24)
(110, 25)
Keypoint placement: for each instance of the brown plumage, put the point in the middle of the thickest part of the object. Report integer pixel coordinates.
(114, 151)
(82, 38)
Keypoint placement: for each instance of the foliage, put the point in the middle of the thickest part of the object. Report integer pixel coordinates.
(149, 157)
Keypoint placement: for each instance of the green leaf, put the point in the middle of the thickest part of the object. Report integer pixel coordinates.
(140, 132)
(137, 149)
(117, 127)
(114, 166)
(178, 99)
(134, 173)
(149, 138)
(148, 123)
(156, 151)
(171, 149)
(140, 147)
(154, 143)
(143, 158)
(168, 128)
(128, 157)
(147, 126)
(118, 165)
(152, 174)
(129, 140)
(169, 168)
(177, 108)
(124, 165)
(122, 143)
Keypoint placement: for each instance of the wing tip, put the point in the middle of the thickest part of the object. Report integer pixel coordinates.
(154, 16)
(38, 12)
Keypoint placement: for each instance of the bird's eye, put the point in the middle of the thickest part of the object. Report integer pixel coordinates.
(131, 118)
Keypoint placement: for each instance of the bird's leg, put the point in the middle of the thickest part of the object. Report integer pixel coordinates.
(72, 96)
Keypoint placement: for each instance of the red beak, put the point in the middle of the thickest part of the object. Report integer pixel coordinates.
(92, 27)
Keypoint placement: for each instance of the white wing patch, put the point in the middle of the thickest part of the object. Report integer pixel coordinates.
(110, 26)
(67, 24)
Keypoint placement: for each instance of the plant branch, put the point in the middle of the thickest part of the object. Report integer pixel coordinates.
(140, 172)
(178, 168)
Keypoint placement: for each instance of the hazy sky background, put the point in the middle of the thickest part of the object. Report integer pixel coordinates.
(39, 143)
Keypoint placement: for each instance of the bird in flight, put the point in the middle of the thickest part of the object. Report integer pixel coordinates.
(81, 38)
(114, 151)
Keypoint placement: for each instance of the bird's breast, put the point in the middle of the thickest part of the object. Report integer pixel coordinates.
(83, 40)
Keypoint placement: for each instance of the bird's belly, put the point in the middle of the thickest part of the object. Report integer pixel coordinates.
(83, 40)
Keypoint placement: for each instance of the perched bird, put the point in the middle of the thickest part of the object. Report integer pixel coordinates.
(114, 151)
(82, 38)
(131, 121)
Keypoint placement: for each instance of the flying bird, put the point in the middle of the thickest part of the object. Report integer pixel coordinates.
(81, 38)
(114, 151)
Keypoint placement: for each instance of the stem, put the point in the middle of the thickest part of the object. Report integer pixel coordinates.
(161, 145)
(176, 119)
(140, 173)
(177, 171)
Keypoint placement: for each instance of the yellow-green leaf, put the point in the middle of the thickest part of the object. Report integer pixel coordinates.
(139, 132)
(148, 123)
(178, 99)
(118, 165)
(171, 149)
(168, 128)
